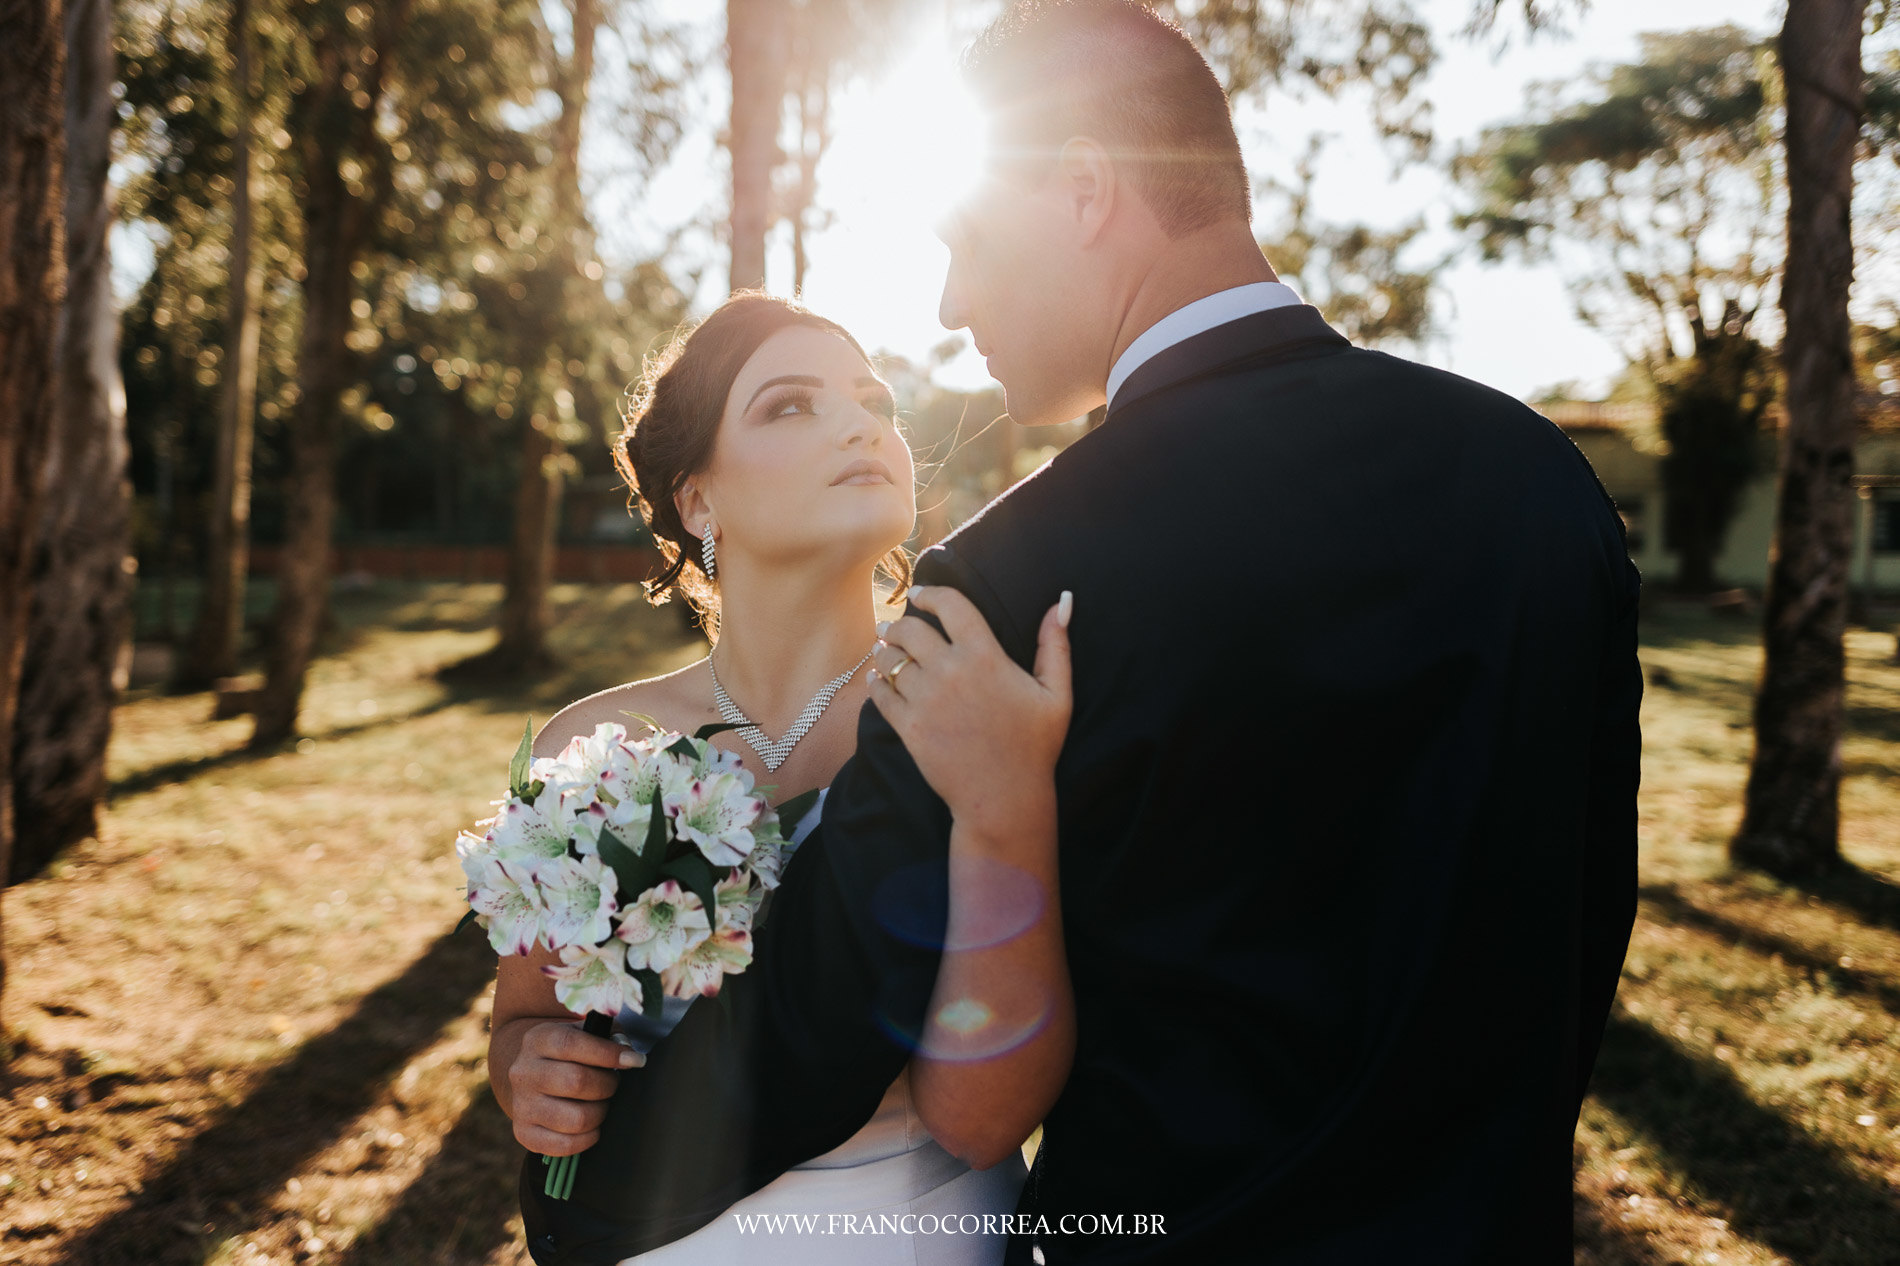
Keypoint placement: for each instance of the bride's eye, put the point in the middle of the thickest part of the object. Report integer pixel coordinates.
(789, 405)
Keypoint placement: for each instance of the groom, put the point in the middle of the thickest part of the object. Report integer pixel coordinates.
(1348, 853)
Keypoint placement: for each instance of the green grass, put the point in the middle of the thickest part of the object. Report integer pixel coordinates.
(1746, 1107)
(242, 1035)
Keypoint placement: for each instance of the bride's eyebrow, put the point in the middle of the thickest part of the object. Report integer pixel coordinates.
(786, 380)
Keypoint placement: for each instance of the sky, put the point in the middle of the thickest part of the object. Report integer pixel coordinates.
(877, 268)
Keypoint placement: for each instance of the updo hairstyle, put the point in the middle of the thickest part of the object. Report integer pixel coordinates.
(672, 421)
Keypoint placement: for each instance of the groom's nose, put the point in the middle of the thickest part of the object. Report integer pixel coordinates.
(951, 310)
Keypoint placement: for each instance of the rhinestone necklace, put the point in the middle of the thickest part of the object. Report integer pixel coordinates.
(773, 753)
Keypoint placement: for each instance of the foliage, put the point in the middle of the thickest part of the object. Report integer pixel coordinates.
(1711, 406)
(1666, 172)
(460, 321)
(1352, 272)
(1383, 47)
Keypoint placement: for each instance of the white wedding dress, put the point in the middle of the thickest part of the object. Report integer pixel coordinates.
(880, 1198)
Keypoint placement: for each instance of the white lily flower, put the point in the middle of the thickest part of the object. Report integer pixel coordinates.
(506, 897)
(663, 924)
(738, 901)
(770, 849)
(475, 852)
(578, 894)
(567, 799)
(630, 782)
(700, 970)
(589, 752)
(716, 814)
(523, 831)
(595, 978)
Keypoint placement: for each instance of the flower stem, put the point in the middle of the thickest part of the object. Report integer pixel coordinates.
(560, 1179)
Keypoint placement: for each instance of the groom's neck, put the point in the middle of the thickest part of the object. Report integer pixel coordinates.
(1180, 270)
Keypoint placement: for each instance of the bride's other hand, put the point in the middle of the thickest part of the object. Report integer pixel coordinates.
(983, 732)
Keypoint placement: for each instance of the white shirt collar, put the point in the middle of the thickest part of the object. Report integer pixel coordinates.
(1196, 318)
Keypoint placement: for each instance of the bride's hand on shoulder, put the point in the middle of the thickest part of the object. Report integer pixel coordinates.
(983, 732)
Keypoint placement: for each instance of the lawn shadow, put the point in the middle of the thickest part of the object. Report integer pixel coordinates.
(1872, 899)
(1821, 965)
(221, 1178)
(1773, 1181)
(1598, 1240)
(1873, 719)
(458, 1208)
(172, 771)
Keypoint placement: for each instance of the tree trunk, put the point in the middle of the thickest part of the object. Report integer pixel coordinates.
(331, 130)
(220, 630)
(524, 607)
(756, 33)
(524, 610)
(814, 137)
(81, 582)
(32, 290)
(1791, 819)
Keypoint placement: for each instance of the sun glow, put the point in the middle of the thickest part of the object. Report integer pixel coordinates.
(907, 144)
(920, 130)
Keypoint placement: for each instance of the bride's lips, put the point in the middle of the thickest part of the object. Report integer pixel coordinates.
(863, 472)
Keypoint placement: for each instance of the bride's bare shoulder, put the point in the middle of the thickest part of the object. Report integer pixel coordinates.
(677, 700)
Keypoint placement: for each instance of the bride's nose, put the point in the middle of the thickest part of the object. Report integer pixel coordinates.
(862, 427)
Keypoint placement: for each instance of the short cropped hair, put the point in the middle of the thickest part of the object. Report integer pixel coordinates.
(1116, 71)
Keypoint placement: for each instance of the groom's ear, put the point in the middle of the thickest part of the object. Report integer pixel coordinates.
(1087, 185)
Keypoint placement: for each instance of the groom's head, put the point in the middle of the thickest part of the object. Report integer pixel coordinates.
(1110, 148)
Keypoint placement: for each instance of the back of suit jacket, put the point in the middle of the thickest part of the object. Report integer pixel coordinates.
(1347, 824)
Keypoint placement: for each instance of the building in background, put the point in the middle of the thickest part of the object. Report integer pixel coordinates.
(1620, 441)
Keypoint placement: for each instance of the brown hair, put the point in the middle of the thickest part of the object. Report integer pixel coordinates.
(672, 422)
(1116, 71)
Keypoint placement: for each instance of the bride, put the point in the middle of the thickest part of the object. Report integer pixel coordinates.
(768, 464)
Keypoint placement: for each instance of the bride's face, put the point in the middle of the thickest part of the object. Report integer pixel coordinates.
(809, 462)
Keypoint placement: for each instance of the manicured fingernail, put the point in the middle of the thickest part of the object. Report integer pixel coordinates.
(1065, 608)
(883, 627)
(629, 1058)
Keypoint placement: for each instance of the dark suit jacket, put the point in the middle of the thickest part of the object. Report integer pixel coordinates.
(1348, 839)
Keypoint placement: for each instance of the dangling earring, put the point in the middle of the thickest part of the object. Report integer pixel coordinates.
(706, 550)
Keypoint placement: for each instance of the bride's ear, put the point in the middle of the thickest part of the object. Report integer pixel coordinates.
(694, 510)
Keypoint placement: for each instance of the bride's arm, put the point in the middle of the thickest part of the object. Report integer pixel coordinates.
(999, 1033)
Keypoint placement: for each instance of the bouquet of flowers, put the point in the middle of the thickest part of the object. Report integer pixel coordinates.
(642, 862)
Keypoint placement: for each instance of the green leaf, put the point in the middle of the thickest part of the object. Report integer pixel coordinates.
(466, 919)
(716, 727)
(655, 846)
(696, 876)
(636, 872)
(793, 811)
(651, 992)
(684, 749)
(524, 755)
(650, 722)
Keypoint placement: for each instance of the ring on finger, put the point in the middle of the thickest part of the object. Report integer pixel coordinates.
(890, 674)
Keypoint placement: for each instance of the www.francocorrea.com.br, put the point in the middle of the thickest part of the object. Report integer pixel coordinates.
(948, 1224)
